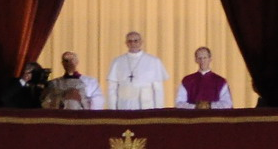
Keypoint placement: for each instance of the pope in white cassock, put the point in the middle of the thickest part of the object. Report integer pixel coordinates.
(136, 78)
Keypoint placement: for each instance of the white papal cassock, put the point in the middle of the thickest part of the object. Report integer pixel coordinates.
(136, 82)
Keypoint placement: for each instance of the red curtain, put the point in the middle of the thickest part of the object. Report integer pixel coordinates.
(254, 25)
(24, 28)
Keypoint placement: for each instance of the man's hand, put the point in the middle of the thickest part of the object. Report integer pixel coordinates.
(72, 94)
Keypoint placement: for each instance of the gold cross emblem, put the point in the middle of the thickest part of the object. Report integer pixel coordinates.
(127, 143)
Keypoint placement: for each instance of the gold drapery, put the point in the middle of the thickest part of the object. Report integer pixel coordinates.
(171, 30)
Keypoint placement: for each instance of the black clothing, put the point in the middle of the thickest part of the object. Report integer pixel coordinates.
(14, 95)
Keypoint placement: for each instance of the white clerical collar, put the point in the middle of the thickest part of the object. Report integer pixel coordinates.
(138, 54)
(204, 72)
(22, 82)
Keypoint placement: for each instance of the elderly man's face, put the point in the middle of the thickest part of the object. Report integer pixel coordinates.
(69, 61)
(203, 59)
(133, 42)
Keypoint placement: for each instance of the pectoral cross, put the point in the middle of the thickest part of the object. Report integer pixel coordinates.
(131, 76)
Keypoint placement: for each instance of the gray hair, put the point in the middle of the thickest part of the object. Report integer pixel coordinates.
(133, 33)
(70, 52)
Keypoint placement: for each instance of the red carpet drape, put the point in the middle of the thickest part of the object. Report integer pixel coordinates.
(254, 24)
(162, 128)
(24, 28)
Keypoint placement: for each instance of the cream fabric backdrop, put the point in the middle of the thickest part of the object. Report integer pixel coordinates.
(172, 30)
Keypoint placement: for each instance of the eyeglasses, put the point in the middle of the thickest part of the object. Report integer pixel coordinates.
(135, 40)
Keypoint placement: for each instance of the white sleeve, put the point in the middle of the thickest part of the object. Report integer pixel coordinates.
(93, 93)
(112, 94)
(161, 73)
(113, 72)
(182, 100)
(97, 98)
(225, 100)
(158, 94)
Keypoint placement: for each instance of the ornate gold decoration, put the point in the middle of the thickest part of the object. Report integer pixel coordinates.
(139, 121)
(119, 143)
(203, 105)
